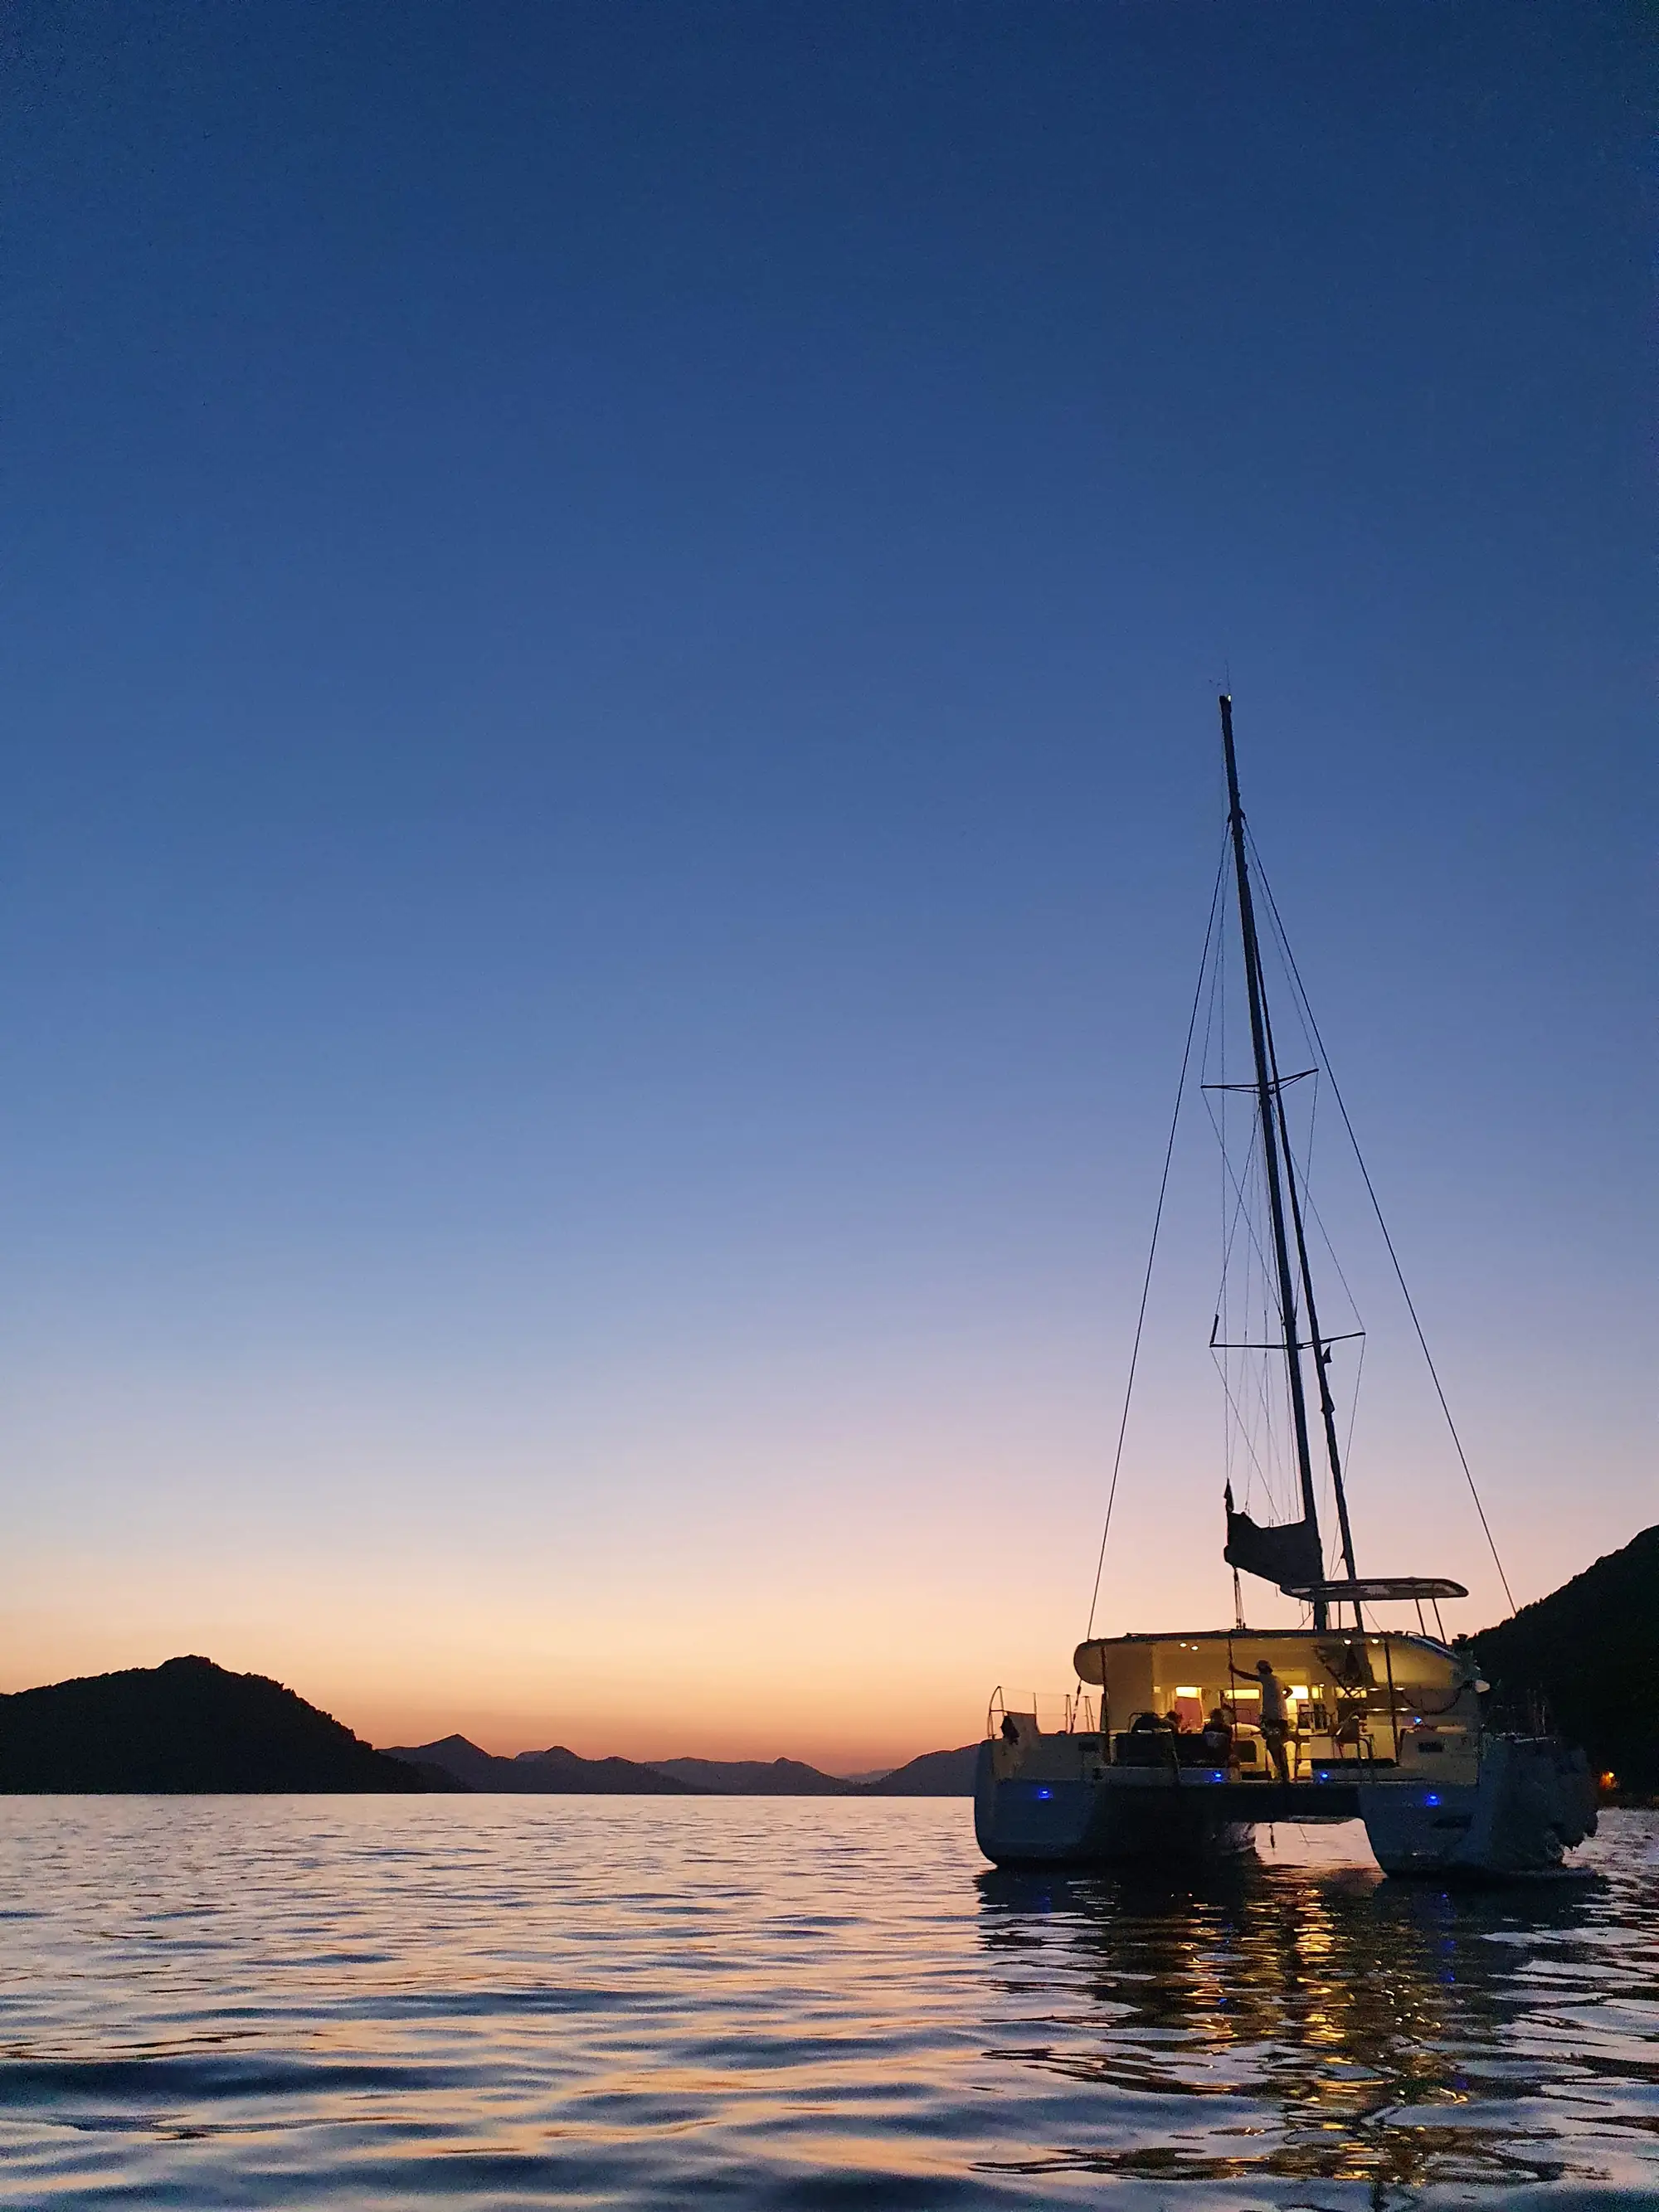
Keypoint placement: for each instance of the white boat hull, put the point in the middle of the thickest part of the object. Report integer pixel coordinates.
(1123, 1814)
(1533, 1800)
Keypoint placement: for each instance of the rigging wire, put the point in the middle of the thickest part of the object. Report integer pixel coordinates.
(1240, 1211)
(1301, 1176)
(1271, 1316)
(1353, 1409)
(1371, 1192)
(1157, 1218)
(1317, 1219)
(1238, 1413)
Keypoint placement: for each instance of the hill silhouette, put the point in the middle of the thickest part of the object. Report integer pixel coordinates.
(185, 1726)
(755, 1778)
(934, 1774)
(1586, 1658)
(556, 1772)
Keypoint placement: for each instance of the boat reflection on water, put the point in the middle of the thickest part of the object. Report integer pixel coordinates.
(1278, 2023)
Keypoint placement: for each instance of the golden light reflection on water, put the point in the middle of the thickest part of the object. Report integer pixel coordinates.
(768, 2003)
(1359, 2030)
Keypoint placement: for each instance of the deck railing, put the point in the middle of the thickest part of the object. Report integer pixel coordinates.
(1056, 1712)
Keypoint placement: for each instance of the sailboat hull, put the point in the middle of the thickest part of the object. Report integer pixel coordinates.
(1115, 1815)
(1533, 1802)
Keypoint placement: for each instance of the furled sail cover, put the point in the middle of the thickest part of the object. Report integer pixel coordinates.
(1287, 1553)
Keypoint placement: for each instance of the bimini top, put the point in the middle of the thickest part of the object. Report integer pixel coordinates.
(1377, 1589)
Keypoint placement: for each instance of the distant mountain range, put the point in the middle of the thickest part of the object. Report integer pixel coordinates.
(554, 1772)
(191, 1726)
(753, 1777)
(935, 1774)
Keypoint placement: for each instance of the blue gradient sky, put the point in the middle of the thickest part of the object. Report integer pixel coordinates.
(609, 787)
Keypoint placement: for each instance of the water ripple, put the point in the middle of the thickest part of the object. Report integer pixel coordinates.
(764, 2003)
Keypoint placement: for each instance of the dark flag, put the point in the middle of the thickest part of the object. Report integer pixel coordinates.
(1287, 1554)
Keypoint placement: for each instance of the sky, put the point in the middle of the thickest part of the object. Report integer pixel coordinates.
(609, 787)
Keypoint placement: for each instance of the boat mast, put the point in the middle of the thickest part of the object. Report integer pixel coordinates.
(1317, 1342)
(1271, 1114)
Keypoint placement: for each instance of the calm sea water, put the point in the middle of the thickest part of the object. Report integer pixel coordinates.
(759, 2002)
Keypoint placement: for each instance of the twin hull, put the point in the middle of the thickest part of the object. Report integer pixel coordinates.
(1052, 1801)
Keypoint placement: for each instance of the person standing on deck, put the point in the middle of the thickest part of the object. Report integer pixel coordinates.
(1274, 1726)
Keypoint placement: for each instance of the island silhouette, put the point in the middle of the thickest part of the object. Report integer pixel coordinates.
(186, 1726)
(190, 1726)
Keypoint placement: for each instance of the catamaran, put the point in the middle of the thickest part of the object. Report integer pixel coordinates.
(1180, 1745)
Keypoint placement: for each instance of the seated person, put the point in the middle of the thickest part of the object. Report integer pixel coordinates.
(1173, 1721)
(1218, 1736)
(1148, 1724)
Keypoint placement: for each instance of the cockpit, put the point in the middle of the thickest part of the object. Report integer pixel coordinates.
(1329, 1702)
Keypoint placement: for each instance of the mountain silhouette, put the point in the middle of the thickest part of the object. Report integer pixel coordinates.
(555, 1771)
(187, 1725)
(1586, 1659)
(934, 1774)
(754, 1777)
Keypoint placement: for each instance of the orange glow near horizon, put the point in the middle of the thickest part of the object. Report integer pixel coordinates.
(835, 1560)
(857, 1658)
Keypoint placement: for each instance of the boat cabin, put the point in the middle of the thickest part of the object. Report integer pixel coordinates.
(1352, 1698)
